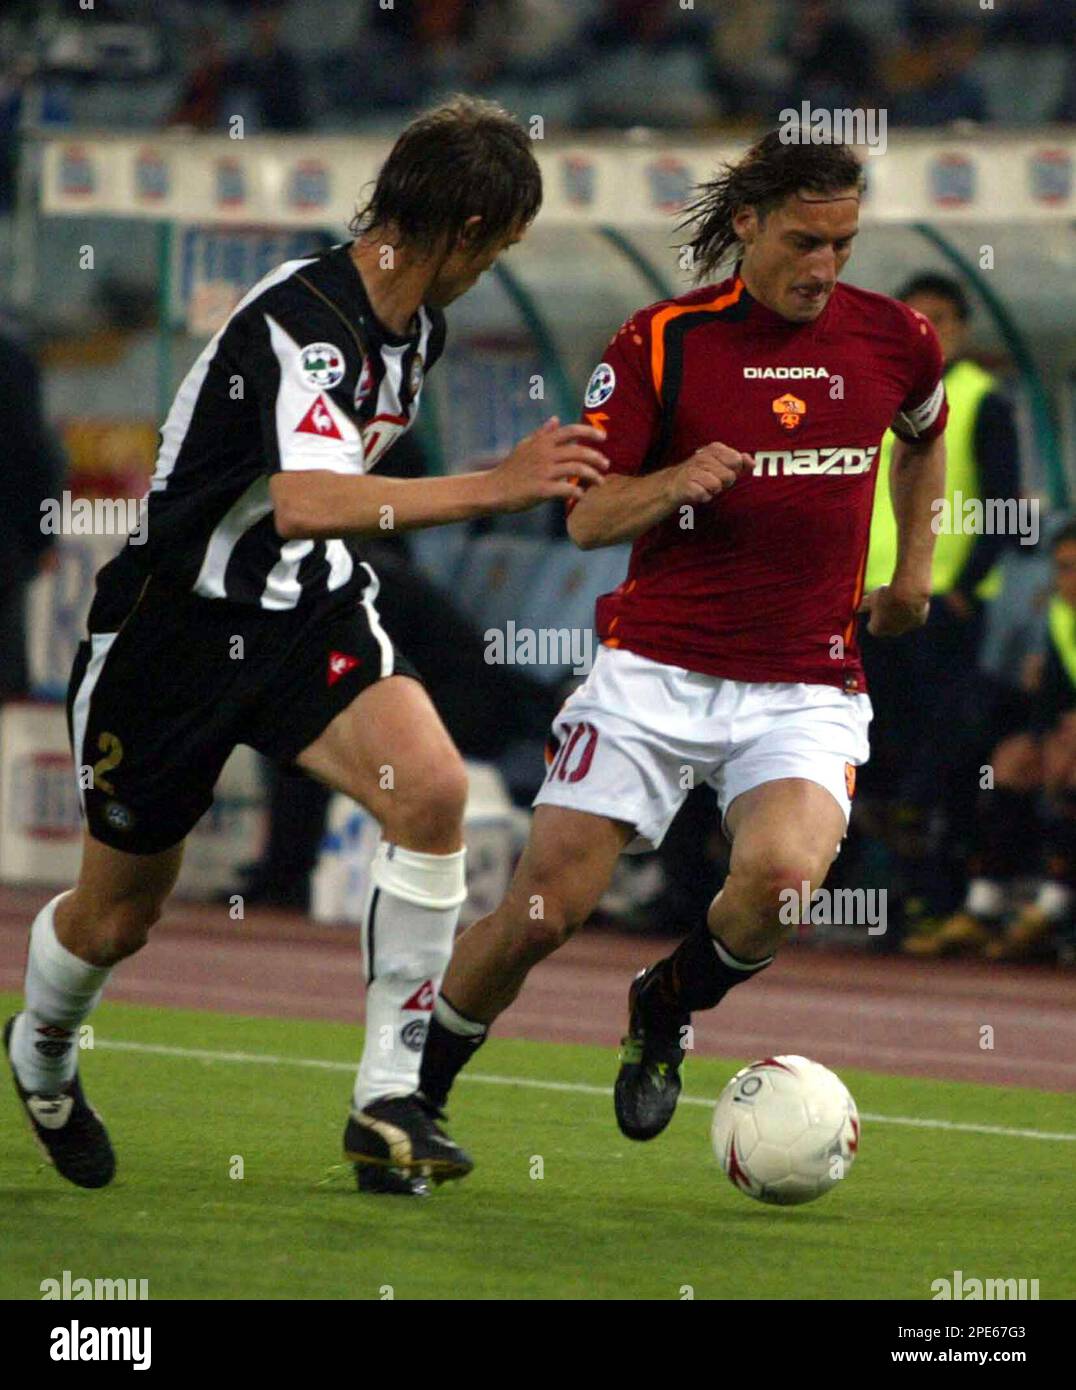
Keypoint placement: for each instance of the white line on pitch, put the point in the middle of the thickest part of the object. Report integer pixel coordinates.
(267, 1059)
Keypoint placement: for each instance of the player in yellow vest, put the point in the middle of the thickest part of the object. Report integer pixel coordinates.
(917, 689)
(1026, 822)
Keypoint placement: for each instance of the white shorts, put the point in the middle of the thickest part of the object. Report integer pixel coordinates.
(638, 735)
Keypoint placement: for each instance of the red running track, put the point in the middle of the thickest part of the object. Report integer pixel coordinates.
(844, 1007)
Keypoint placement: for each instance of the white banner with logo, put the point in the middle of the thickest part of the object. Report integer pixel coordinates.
(57, 607)
(624, 180)
(40, 825)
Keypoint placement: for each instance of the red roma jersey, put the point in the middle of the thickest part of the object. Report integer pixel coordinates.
(762, 584)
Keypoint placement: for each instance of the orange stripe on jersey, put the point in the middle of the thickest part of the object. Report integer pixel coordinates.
(597, 419)
(660, 322)
(856, 596)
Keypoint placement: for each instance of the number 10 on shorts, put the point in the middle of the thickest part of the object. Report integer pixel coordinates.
(573, 758)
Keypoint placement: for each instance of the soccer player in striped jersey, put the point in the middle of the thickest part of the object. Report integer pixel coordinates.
(743, 422)
(248, 615)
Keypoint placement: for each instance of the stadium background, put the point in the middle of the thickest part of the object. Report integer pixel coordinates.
(157, 159)
(116, 138)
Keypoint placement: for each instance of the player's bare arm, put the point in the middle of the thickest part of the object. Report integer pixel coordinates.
(555, 461)
(626, 507)
(917, 478)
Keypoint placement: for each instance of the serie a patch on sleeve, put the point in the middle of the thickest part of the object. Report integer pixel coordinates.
(601, 386)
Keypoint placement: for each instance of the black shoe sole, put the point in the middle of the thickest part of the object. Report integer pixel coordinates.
(390, 1182)
(437, 1170)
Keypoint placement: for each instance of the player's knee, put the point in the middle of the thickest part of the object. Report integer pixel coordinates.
(121, 928)
(545, 915)
(546, 926)
(770, 878)
(426, 816)
(553, 896)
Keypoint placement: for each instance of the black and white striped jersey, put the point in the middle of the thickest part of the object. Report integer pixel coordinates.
(302, 376)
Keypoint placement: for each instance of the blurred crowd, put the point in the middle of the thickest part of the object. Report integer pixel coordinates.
(291, 66)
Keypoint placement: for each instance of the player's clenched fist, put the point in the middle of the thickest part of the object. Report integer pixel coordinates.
(707, 473)
(893, 612)
(555, 461)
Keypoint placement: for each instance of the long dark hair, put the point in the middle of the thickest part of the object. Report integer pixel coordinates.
(465, 158)
(768, 173)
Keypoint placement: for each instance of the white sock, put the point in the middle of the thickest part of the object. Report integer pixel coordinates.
(746, 967)
(60, 991)
(986, 898)
(408, 929)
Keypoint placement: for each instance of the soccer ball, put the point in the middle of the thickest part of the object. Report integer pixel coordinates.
(785, 1130)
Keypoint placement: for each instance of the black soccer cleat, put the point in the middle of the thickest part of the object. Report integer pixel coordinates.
(648, 1082)
(68, 1130)
(398, 1147)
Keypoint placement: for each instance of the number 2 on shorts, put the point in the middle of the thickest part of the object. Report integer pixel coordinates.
(112, 748)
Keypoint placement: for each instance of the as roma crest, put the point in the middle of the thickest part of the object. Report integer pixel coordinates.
(790, 410)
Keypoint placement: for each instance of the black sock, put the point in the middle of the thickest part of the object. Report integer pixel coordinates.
(701, 971)
(1007, 835)
(443, 1058)
(1059, 841)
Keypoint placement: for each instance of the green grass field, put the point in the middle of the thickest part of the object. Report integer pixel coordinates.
(607, 1219)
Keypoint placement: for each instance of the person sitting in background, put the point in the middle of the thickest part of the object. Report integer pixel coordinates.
(746, 69)
(201, 100)
(397, 54)
(528, 41)
(1035, 23)
(620, 23)
(928, 77)
(832, 58)
(920, 766)
(271, 72)
(33, 470)
(1026, 822)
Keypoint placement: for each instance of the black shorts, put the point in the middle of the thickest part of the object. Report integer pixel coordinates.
(155, 708)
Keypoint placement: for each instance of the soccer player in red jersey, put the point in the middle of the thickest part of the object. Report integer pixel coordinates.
(743, 422)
